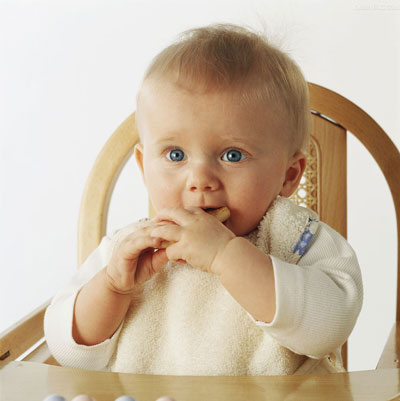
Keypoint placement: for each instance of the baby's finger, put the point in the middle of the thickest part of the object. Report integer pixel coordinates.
(174, 253)
(142, 232)
(132, 247)
(159, 259)
(175, 215)
(168, 234)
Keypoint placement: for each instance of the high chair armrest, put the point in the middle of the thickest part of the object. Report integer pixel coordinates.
(390, 357)
(25, 335)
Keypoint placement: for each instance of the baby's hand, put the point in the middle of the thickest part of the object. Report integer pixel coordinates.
(135, 260)
(196, 237)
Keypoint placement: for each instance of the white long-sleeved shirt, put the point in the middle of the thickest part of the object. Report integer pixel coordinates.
(317, 304)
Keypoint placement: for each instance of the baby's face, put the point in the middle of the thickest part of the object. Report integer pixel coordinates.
(208, 151)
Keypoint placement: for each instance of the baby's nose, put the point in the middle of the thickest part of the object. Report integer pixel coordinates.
(203, 178)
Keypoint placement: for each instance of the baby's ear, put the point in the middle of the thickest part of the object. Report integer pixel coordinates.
(139, 158)
(294, 173)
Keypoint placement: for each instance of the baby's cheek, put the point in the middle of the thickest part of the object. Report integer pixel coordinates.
(164, 197)
(248, 210)
(244, 220)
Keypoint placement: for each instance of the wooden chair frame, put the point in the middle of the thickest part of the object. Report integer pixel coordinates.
(25, 339)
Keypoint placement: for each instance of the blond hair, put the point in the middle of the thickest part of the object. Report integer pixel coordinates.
(230, 57)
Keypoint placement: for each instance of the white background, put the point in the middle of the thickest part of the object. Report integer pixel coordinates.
(69, 71)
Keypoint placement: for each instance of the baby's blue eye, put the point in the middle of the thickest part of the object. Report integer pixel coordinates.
(176, 155)
(233, 155)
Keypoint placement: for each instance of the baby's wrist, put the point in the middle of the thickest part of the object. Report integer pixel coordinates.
(114, 285)
(220, 262)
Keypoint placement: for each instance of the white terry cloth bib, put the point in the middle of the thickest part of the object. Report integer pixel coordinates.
(187, 323)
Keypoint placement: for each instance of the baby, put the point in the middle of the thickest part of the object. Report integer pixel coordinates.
(224, 120)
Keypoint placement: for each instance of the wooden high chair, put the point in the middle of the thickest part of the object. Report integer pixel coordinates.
(322, 189)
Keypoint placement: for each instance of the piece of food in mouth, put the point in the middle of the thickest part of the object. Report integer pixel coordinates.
(222, 214)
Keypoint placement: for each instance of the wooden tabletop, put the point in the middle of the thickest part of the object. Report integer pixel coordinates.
(23, 381)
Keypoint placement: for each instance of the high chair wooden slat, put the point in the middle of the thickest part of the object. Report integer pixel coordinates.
(329, 141)
(390, 357)
(21, 336)
(333, 118)
(100, 184)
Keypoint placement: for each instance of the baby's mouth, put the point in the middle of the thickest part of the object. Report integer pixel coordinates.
(221, 213)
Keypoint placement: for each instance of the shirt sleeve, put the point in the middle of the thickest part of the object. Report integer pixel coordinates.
(59, 317)
(318, 300)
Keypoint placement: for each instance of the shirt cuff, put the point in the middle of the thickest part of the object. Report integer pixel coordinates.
(285, 298)
(66, 350)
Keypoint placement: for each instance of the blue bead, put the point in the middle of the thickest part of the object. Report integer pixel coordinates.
(125, 398)
(54, 397)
